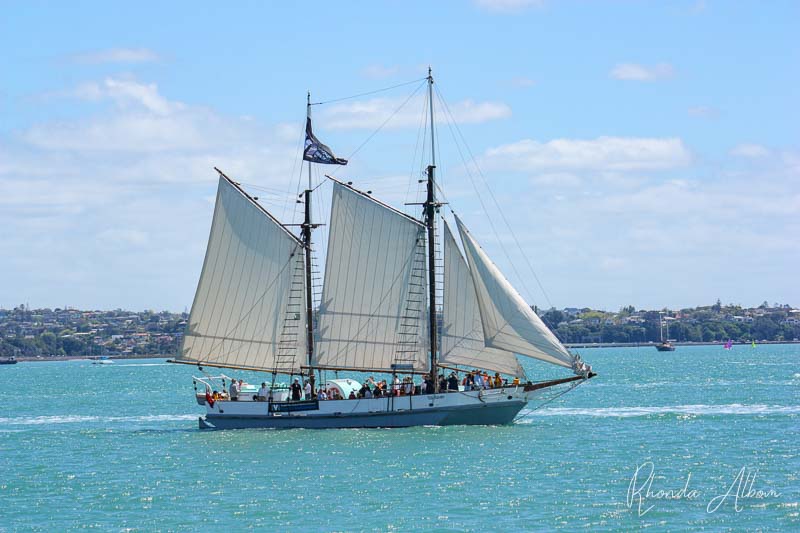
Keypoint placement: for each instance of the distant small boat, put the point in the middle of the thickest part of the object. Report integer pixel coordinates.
(664, 345)
(8, 361)
(729, 345)
(102, 360)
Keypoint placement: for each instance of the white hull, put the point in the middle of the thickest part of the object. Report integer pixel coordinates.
(488, 407)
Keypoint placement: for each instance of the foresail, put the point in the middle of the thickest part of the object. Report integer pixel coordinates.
(373, 309)
(247, 311)
(508, 321)
(462, 332)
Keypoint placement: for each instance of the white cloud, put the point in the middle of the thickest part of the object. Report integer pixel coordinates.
(749, 150)
(636, 72)
(370, 114)
(556, 179)
(603, 153)
(121, 194)
(125, 92)
(116, 55)
(507, 6)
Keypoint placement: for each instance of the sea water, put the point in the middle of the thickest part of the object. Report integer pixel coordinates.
(656, 440)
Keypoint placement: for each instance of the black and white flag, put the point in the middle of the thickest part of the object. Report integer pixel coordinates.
(316, 152)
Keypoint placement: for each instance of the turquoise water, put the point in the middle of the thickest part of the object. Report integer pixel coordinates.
(115, 447)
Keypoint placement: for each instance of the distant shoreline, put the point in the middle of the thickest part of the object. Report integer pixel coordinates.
(647, 344)
(568, 345)
(89, 358)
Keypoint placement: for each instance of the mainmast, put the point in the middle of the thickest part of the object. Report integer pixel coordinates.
(430, 218)
(307, 227)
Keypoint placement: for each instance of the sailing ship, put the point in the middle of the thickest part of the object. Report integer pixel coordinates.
(665, 345)
(379, 312)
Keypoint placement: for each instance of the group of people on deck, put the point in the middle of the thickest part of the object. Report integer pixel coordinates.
(473, 380)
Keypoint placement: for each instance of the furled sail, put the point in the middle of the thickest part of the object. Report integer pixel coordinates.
(373, 308)
(508, 322)
(248, 311)
(462, 332)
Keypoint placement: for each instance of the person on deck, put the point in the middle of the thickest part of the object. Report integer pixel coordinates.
(297, 390)
(307, 389)
(262, 393)
(478, 381)
(469, 381)
(234, 390)
(498, 381)
(452, 382)
(321, 394)
(362, 392)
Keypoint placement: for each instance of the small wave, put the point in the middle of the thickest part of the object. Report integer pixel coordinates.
(78, 419)
(623, 412)
(140, 364)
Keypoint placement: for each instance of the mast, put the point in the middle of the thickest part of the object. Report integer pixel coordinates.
(307, 227)
(430, 214)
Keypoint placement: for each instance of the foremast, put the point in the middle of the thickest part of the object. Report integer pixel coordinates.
(307, 227)
(430, 207)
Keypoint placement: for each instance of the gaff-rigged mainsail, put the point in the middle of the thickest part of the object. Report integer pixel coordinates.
(462, 332)
(508, 321)
(371, 295)
(246, 311)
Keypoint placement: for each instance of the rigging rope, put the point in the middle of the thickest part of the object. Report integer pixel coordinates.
(368, 93)
(452, 124)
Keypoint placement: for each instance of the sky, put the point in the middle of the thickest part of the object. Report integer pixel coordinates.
(604, 153)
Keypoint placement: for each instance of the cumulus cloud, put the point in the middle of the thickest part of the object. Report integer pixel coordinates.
(507, 6)
(603, 153)
(116, 55)
(122, 194)
(636, 72)
(370, 114)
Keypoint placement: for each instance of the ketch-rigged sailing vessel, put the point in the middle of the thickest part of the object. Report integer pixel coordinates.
(254, 310)
(665, 345)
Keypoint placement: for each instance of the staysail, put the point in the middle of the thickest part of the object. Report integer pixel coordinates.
(247, 311)
(462, 332)
(373, 309)
(508, 321)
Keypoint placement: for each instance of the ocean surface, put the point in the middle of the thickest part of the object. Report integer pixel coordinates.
(116, 447)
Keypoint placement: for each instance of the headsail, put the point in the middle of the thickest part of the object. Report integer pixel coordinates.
(508, 321)
(246, 311)
(462, 333)
(373, 311)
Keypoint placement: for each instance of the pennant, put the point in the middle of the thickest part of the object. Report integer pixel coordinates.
(316, 152)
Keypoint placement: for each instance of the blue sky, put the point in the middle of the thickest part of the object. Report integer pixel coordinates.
(645, 153)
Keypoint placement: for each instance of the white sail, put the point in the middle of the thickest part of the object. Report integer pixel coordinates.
(508, 322)
(248, 309)
(462, 332)
(373, 309)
